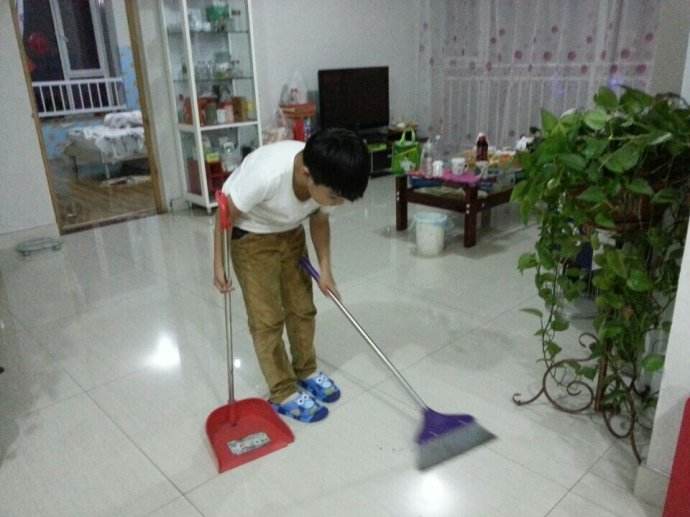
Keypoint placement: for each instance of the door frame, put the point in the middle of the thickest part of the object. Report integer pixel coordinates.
(136, 42)
(135, 36)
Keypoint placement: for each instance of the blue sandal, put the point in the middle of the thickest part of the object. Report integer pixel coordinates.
(322, 388)
(304, 408)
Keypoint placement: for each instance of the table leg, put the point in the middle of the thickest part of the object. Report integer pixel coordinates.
(401, 203)
(470, 236)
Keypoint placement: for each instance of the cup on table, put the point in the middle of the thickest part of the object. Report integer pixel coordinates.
(437, 168)
(457, 166)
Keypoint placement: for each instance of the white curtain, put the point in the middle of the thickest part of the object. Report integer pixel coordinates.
(491, 65)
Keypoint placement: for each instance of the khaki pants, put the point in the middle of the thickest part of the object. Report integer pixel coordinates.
(277, 293)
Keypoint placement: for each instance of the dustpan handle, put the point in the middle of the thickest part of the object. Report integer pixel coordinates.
(307, 266)
(225, 227)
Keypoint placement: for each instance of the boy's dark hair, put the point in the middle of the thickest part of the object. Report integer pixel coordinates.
(337, 158)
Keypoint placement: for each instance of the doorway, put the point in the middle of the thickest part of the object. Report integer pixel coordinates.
(83, 66)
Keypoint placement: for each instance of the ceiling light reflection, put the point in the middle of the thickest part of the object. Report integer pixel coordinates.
(166, 355)
(433, 495)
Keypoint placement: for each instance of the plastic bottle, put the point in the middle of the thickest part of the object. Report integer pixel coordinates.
(229, 157)
(427, 158)
(307, 129)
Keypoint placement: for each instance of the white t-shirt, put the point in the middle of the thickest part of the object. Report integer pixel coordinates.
(261, 188)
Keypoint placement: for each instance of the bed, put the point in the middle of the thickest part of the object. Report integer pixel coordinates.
(119, 139)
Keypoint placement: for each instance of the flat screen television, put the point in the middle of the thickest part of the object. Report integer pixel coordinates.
(354, 98)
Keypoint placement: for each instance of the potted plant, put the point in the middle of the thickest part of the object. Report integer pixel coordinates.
(612, 182)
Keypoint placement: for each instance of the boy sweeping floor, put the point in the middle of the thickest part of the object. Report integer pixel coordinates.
(275, 189)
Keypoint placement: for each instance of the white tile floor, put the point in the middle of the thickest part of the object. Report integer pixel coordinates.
(113, 349)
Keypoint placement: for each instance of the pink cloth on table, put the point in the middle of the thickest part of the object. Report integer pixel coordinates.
(449, 177)
(462, 179)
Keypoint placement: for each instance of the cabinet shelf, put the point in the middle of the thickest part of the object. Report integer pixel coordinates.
(189, 128)
(192, 51)
(180, 32)
(199, 81)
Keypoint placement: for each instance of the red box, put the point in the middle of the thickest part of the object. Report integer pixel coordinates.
(678, 495)
(215, 177)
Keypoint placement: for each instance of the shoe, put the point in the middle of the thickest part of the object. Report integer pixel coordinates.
(321, 387)
(303, 407)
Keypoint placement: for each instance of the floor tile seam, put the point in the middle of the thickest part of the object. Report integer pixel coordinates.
(171, 502)
(119, 378)
(136, 446)
(363, 388)
(52, 404)
(111, 245)
(55, 359)
(428, 299)
(626, 489)
(14, 332)
(34, 332)
(28, 328)
(482, 398)
(91, 306)
(603, 457)
(574, 485)
(140, 267)
(410, 405)
(340, 230)
(553, 508)
(592, 500)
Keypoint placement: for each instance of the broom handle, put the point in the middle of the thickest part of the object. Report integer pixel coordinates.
(228, 324)
(306, 265)
(225, 227)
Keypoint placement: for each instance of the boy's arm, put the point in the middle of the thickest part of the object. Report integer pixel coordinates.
(221, 279)
(320, 229)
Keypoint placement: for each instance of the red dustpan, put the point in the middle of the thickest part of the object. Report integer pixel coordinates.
(241, 430)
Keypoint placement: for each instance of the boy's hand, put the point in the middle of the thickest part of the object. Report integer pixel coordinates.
(327, 283)
(223, 284)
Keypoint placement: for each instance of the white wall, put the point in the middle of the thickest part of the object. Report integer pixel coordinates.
(305, 35)
(669, 72)
(685, 88)
(25, 204)
(675, 385)
(671, 44)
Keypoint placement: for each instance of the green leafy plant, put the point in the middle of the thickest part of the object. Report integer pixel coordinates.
(613, 179)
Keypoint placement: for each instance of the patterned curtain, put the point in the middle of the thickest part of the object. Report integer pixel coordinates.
(491, 65)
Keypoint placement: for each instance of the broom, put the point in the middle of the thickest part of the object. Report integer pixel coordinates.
(441, 436)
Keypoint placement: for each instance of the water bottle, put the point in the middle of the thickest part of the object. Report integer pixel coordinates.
(427, 159)
(229, 157)
(307, 129)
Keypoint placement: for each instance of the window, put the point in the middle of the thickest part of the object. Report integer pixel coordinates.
(67, 53)
(64, 39)
(80, 38)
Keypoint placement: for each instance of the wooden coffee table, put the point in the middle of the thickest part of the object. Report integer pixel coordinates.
(471, 204)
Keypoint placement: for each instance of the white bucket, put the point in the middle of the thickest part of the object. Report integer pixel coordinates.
(431, 232)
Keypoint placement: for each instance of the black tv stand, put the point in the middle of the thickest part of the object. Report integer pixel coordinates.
(379, 150)
(375, 135)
